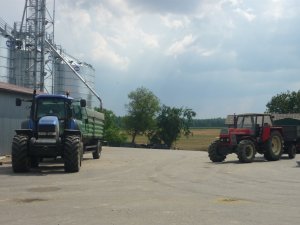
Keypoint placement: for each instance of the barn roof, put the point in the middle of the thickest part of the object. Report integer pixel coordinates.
(14, 88)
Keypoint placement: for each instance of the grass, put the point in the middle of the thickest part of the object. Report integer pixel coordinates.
(198, 141)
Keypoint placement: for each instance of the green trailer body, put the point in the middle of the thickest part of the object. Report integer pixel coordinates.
(92, 124)
(290, 124)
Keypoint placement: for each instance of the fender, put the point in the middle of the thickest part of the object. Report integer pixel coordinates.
(266, 133)
(72, 132)
(27, 132)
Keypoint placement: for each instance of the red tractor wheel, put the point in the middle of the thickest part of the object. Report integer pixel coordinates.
(273, 147)
(214, 152)
(246, 151)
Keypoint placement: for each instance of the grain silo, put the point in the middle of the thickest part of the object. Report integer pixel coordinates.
(66, 80)
(4, 59)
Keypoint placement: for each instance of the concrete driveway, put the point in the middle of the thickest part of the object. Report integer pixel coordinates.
(141, 186)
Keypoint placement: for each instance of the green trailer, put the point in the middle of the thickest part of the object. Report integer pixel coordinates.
(290, 124)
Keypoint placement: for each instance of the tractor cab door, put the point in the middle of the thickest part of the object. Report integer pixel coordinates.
(266, 128)
(79, 115)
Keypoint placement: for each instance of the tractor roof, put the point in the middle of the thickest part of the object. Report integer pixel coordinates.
(53, 96)
(230, 118)
(254, 114)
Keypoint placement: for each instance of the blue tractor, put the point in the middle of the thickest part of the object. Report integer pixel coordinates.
(58, 126)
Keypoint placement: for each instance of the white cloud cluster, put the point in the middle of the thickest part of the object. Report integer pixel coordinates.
(247, 14)
(181, 46)
(135, 43)
(175, 23)
(102, 52)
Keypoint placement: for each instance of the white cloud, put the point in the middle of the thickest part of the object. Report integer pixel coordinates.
(207, 52)
(134, 39)
(278, 9)
(149, 40)
(247, 14)
(181, 46)
(173, 23)
(103, 15)
(104, 53)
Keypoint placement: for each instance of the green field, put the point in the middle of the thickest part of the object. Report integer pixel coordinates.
(198, 141)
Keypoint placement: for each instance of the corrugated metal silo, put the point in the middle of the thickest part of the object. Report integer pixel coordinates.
(66, 80)
(4, 59)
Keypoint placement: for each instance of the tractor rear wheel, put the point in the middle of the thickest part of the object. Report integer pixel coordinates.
(292, 151)
(246, 151)
(214, 152)
(273, 147)
(72, 154)
(19, 153)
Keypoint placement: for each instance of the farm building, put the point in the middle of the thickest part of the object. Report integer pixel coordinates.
(11, 116)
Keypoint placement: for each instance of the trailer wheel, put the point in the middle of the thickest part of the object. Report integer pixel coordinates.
(273, 147)
(19, 153)
(97, 152)
(214, 152)
(72, 154)
(292, 151)
(246, 151)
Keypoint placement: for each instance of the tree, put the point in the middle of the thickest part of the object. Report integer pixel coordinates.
(142, 109)
(286, 102)
(171, 123)
(111, 132)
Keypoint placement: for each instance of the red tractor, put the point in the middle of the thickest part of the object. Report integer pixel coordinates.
(248, 134)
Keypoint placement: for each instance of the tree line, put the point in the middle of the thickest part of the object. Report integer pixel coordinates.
(207, 123)
(163, 124)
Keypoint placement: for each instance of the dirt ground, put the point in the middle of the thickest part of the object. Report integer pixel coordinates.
(159, 187)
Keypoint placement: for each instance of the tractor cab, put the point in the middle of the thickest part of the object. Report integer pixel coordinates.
(252, 126)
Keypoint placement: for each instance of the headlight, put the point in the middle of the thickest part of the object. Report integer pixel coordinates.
(46, 133)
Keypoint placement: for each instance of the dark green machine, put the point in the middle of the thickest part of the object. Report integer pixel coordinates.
(58, 126)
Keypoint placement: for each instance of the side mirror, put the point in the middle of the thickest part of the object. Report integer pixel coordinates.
(83, 103)
(18, 102)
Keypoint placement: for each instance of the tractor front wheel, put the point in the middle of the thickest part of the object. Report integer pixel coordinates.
(273, 147)
(19, 153)
(214, 152)
(72, 154)
(246, 151)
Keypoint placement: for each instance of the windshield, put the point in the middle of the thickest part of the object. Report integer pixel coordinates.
(245, 122)
(51, 107)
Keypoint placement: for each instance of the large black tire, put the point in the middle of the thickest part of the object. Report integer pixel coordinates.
(214, 153)
(292, 150)
(19, 154)
(246, 151)
(273, 147)
(72, 154)
(97, 152)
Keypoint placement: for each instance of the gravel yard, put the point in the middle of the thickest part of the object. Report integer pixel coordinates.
(142, 186)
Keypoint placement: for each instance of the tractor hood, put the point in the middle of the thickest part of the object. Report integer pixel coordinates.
(48, 127)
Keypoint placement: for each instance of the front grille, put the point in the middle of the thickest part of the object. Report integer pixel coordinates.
(47, 131)
(46, 128)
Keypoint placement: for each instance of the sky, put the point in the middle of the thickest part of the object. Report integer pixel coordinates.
(217, 57)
